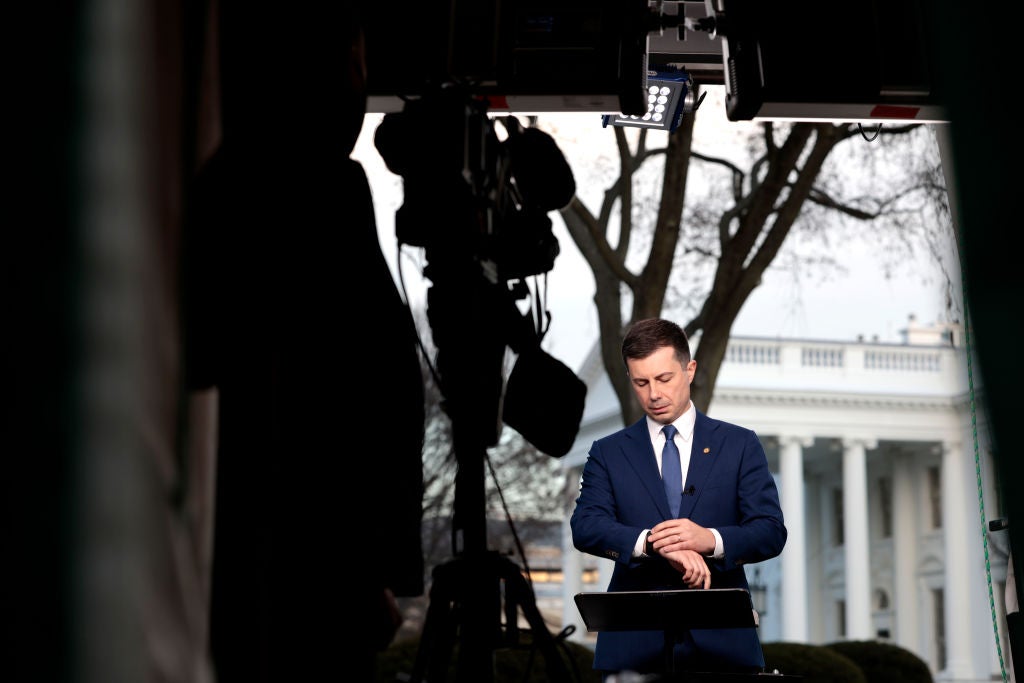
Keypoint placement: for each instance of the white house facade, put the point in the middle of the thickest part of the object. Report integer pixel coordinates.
(886, 479)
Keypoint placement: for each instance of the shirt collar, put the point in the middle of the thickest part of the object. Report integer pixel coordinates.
(683, 424)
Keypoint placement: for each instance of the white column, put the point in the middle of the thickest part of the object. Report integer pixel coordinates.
(572, 559)
(794, 556)
(855, 532)
(959, 520)
(815, 548)
(572, 583)
(905, 522)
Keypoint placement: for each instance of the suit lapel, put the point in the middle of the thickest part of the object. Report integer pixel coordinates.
(640, 455)
(702, 459)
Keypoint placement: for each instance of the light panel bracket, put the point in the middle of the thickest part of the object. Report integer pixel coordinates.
(669, 98)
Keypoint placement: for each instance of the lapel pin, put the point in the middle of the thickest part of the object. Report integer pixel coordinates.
(707, 450)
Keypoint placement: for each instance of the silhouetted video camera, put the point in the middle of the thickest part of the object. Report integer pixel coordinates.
(470, 196)
(478, 204)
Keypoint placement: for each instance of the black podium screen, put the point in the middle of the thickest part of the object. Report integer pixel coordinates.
(666, 610)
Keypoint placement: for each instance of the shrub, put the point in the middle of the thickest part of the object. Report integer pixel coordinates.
(814, 663)
(839, 662)
(884, 662)
(510, 663)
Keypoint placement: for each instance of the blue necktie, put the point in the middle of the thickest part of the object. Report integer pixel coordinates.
(671, 473)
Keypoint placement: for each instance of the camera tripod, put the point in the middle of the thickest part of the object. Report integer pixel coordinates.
(455, 177)
(470, 593)
(466, 592)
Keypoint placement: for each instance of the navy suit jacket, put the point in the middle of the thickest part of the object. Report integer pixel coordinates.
(728, 487)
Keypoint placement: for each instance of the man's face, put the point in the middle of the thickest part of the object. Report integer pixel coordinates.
(662, 384)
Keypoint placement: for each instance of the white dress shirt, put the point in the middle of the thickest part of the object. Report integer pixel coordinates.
(684, 442)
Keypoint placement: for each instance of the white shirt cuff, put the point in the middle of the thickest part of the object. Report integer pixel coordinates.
(638, 548)
(719, 547)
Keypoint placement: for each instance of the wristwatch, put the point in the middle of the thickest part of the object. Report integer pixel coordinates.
(649, 550)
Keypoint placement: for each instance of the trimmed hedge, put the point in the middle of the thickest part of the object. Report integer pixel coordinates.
(814, 663)
(884, 662)
(839, 662)
(510, 664)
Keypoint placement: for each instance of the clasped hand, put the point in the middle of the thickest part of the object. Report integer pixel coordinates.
(684, 544)
(692, 566)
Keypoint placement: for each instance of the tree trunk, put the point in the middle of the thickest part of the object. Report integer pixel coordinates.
(751, 232)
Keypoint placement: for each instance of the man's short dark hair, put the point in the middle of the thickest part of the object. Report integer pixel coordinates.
(646, 336)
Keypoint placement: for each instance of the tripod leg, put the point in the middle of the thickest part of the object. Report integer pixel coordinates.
(437, 639)
(459, 605)
(519, 590)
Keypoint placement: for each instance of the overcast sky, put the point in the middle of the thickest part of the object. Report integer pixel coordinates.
(860, 302)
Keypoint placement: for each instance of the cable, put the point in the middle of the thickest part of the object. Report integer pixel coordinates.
(977, 467)
(508, 517)
(860, 127)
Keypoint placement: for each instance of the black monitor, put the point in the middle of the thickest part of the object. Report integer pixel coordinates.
(586, 55)
(813, 60)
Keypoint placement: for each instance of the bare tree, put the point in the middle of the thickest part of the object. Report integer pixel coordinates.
(787, 184)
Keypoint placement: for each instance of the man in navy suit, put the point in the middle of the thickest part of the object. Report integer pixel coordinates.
(728, 509)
